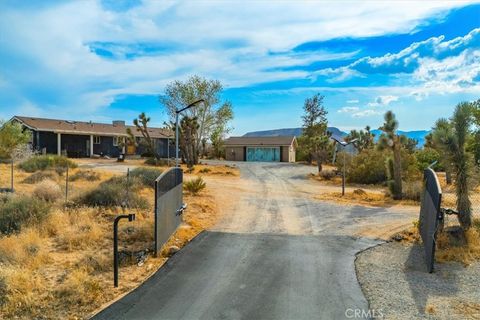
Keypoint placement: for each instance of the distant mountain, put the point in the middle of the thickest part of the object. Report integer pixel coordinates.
(290, 132)
(418, 135)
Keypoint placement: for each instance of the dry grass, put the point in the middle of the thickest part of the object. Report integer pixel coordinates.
(62, 268)
(470, 310)
(364, 197)
(47, 190)
(448, 250)
(449, 247)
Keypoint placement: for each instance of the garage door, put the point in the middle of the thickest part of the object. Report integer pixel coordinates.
(263, 154)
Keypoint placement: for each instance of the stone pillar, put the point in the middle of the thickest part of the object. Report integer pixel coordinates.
(59, 144)
(91, 145)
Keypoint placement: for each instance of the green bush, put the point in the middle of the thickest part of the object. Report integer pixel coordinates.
(19, 211)
(44, 162)
(194, 186)
(153, 162)
(367, 167)
(48, 190)
(146, 176)
(113, 193)
(40, 176)
(87, 175)
(426, 157)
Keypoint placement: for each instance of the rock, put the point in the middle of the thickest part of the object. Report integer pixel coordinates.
(172, 250)
(398, 237)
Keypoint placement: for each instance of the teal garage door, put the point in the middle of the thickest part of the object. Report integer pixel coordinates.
(263, 154)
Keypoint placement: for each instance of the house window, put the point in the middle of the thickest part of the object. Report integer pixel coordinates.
(116, 141)
(96, 139)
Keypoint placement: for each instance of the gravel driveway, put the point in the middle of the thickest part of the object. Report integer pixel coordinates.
(394, 279)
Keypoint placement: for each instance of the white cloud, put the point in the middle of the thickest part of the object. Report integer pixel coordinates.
(366, 113)
(383, 101)
(353, 101)
(348, 109)
(53, 46)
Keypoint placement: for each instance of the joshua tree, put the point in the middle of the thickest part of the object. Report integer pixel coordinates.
(444, 159)
(141, 125)
(452, 136)
(391, 140)
(365, 139)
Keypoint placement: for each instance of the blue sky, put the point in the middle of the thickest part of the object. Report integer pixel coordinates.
(106, 60)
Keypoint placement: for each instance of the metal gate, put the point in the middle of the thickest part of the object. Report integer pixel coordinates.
(168, 205)
(430, 215)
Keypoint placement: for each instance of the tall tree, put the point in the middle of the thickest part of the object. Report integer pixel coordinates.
(315, 139)
(475, 141)
(221, 129)
(365, 139)
(12, 136)
(179, 94)
(444, 159)
(452, 136)
(390, 139)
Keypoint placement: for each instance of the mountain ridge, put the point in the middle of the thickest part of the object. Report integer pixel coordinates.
(418, 135)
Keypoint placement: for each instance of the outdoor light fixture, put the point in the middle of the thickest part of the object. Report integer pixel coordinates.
(177, 112)
(130, 217)
(344, 144)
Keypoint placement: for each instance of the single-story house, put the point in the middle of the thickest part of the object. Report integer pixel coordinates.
(78, 139)
(270, 149)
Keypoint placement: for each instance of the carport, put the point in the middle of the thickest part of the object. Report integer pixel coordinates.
(264, 149)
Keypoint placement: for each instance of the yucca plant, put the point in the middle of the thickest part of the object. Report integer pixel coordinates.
(194, 186)
(389, 139)
(452, 136)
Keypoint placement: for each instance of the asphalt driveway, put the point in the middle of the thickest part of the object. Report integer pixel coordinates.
(277, 254)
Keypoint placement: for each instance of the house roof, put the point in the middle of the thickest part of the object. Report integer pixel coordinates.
(260, 141)
(82, 127)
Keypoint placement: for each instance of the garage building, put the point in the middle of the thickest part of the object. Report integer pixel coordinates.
(266, 149)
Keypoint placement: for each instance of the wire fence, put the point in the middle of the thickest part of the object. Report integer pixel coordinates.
(449, 197)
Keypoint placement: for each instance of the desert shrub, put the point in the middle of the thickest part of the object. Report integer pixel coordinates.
(47, 190)
(87, 175)
(410, 167)
(426, 157)
(40, 176)
(367, 167)
(45, 162)
(194, 186)
(327, 174)
(205, 170)
(19, 211)
(146, 176)
(112, 193)
(156, 162)
(412, 190)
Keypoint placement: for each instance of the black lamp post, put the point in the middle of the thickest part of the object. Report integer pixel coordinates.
(344, 144)
(177, 113)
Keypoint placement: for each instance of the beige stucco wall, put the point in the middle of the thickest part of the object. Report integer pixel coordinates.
(235, 153)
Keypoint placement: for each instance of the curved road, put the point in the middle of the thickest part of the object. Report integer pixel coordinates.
(277, 254)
